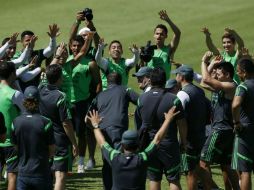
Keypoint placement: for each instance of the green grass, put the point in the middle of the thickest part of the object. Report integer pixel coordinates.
(132, 22)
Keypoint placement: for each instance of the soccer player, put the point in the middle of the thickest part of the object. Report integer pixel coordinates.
(33, 136)
(10, 105)
(219, 144)
(112, 104)
(163, 54)
(89, 26)
(196, 108)
(85, 75)
(42, 54)
(53, 105)
(150, 109)
(129, 166)
(115, 63)
(229, 53)
(243, 114)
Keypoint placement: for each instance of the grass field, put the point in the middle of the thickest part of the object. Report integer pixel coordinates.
(132, 22)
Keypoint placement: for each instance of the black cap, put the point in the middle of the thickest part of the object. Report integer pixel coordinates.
(130, 137)
(143, 71)
(171, 83)
(184, 70)
(31, 92)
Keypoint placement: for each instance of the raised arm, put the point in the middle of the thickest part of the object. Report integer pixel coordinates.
(209, 43)
(177, 33)
(75, 26)
(102, 62)
(134, 60)
(12, 40)
(95, 120)
(84, 49)
(214, 83)
(26, 53)
(169, 116)
(53, 33)
(96, 38)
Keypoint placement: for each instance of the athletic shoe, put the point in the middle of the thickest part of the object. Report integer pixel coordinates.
(90, 164)
(81, 169)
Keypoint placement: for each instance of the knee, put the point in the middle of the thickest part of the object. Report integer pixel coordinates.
(203, 164)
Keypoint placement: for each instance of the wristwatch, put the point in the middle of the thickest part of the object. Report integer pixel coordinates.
(96, 126)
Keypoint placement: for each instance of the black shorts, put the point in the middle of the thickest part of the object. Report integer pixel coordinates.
(218, 147)
(62, 159)
(243, 156)
(79, 112)
(167, 161)
(11, 159)
(190, 159)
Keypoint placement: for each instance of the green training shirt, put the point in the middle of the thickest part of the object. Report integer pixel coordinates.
(81, 79)
(67, 78)
(233, 60)
(120, 68)
(9, 110)
(161, 59)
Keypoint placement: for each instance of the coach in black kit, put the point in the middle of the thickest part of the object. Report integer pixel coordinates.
(112, 105)
(33, 135)
(150, 113)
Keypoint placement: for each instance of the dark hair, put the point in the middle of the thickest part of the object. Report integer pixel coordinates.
(31, 104)
(158, 77)
(130, 147)
(6, 69)
(114, 78)
(228, 67)
(188, 77)
(114, 41)
(5, 40)
(229, 36)
(78, 38)
(26, 32)
(53, 73)
(163, 27)
(246, 65)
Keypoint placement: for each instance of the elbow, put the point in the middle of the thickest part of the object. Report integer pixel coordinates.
(206, 79)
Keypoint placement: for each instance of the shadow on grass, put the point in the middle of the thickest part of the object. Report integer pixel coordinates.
(89, 180)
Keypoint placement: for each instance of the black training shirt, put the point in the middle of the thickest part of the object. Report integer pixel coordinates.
(33, 133)
(53, 105)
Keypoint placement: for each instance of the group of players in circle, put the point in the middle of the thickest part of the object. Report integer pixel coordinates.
(82, 95)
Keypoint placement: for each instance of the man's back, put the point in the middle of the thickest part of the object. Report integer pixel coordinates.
(128, 169)
(153, 119)
(112, 105)
(33, 134)
(197, 112)
(53, 105)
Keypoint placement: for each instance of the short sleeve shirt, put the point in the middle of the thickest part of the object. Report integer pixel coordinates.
(129, 170)
(53, 105)
(33, 133)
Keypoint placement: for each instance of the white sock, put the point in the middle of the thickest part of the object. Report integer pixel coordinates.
(81, 160)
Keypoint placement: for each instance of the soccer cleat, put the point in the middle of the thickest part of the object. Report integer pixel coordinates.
(81, 169)
(90, 164)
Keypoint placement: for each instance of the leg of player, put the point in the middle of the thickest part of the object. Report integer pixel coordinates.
(60, 180)
(155, 185)
(246, 181)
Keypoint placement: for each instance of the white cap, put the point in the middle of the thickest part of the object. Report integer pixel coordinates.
(83, 31)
